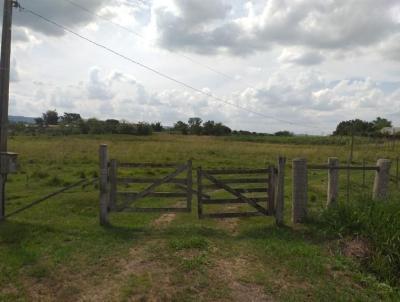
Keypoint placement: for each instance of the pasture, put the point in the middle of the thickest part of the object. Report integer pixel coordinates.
(58, 251)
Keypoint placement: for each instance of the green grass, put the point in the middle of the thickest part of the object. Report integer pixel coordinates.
(58, 251)
(379, 224)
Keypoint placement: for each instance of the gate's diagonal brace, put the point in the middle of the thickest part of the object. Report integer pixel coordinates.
(193, 191)
(154, 185)
(251, 202)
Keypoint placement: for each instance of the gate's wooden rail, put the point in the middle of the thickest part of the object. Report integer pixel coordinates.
(114, 200)
(263, 181)
(255, 177)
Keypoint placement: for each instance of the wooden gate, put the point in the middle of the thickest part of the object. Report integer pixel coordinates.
(259, 192)
(127, 200)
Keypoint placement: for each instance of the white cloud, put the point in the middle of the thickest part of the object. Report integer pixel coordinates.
(311, 62)
(312, 23)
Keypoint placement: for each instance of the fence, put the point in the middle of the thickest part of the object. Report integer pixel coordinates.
(263, 179)
(111, 196)
(271, 185)
(83, 182)
(300, 183)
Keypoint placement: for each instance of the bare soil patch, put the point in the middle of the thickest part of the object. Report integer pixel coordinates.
(231, 271)
(358, 248)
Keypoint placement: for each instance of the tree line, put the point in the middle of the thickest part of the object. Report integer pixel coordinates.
(72, 123)
(359, 127)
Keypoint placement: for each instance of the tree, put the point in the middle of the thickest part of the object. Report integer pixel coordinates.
(380, 123)
(218, 129)
(50, 117)
(284, 133)
(71, 118)
(143, 128)
(111, 126)
(195, 125)
(39, 121)
(355, 127)
(157, 127)
(181, 127)
(96, 126)
(126, 128)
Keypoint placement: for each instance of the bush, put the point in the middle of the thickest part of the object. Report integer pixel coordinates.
(377, 222)
(144, 129)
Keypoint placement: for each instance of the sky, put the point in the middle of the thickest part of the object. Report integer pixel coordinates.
(297, 65)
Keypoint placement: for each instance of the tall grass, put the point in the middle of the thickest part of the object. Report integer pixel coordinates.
(379, 224)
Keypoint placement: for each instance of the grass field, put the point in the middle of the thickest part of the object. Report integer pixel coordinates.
(58, 251)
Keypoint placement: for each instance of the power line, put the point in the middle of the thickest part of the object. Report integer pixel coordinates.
(144, 38)
(159, 73)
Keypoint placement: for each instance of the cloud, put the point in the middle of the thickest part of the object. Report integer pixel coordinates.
(60, 11)
(14, 71)
(323, 25)
(390, 48)
(300, 57)
(307, 100)
(97, 87)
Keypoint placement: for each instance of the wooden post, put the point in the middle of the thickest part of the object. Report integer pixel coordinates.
(189, 185)
(300, 188)
(382, 179)
(104, 185)
(2, 197)
(351, 149)
(280, 192)
(199, 193)
(4, 93)
(333, 181)
(397, 172)
(271, 190)
(113, 185)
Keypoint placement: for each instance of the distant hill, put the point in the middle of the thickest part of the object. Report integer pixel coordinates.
(21, 119)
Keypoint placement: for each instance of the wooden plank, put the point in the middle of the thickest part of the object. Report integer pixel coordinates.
(189, 182)
(240, 190)
(194, 191)
(149, 165)
(327, 167)
(271, 190)
(232, 215)
(236, 171)
(244, 180)
(280, 192)
(132, 180)
(232, 201)
(156, 210)
(237, 193)
(104, 185)
(251, 190)
(154, 186)
(199, 193)
(133, 195)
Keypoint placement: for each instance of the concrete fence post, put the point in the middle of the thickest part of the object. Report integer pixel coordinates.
(300, 188)
(280, 192)
(333, 181)
(104, 185)
(382, 179)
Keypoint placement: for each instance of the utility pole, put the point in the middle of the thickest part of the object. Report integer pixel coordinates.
(4, 96)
